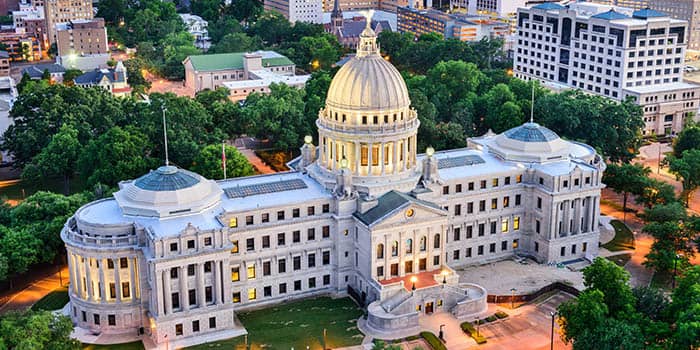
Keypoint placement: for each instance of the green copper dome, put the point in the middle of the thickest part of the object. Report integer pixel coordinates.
(167, 178)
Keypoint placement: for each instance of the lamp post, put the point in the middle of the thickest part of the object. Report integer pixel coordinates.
(444, 277)
(512, 298)
(675, 265)
(551, 339)
(324, 339)
(477, 326)
(441, 333)
(413, 281)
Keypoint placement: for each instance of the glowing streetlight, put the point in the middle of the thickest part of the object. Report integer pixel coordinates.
(414, 279)
(430, 151)
(308, 139)
(444, 274)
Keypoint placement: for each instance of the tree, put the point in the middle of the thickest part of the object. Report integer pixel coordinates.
(245, 10)
(673, 234)
(581, 314)
(626, 179)
(687, 169)
(223, 26)
(611, 334)
(20, 249)
(37, 330)
(685, 310)
(208, 163)
(176, 47)
(207, 9)
(119, 154)
(70, 75)
(651, 302)
(656, 192)
(316, 52)
(613, 282)
(687, 139)
(58, 158)
(134, 72)
(237, 42)
(271, 27)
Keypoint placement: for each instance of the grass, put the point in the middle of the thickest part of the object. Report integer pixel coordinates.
(620, 260)
(432, 340)
(500, 314)
(137, 345)
(55, 300)
(623, 240)
(468, 327)
(298, 325)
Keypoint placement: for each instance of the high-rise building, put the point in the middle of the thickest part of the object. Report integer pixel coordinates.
(297, 10)
(633, 4)
(454, 26)
(62, 11)
(687, 10)
(610, 51)
(82, 44)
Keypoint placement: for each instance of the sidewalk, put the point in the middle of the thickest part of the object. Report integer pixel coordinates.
(25, 298)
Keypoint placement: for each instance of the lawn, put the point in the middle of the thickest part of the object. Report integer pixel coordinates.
(624, 239)
(137, 345)
(298, 325)
(56, 300)
(621, 259)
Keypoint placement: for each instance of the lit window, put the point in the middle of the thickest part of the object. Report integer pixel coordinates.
(515, 244)
(234, 250)
(504, 225)
(233, 222)
(516, 223)
(252, 295)
(235, 274)
(251, 271)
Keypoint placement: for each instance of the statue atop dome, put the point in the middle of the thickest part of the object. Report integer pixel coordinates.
(368, 39)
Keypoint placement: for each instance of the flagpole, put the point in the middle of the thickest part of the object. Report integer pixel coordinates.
(223, 157)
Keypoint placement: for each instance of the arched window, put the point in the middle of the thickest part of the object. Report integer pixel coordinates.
(423, 243)
(436, 241)
(409, 246)
(380, 251)
(395, 249)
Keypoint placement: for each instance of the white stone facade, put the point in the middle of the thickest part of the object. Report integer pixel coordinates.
(175, 255)
(609, 51)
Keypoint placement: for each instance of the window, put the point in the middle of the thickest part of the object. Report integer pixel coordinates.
(123, 263)
(207, 241)
(469, 232)
(266, 268)
(326, 280)
(250, 244)
(280, 215)
(311, 260)
(96, 319)
(506, 201)
(325, 231)
(265, 217)
(482, 184)
(445, 189)
(380, 251)
(326, 208)
(190, 244)
(295, 212)
(126, 292)
(312, 282)
(175, 299)
(494, 203)
(212, 320)
(296, 263)
(178, 329)
(249, 220)
(539, 203)
(282, 288)
(504, 225)
(173, 248)
(173, 272)
(519, 179)
(516, 223)
(252, 294)
(481, 230)
(458, 188)
(494, 182)
(395, 249)
(311, 211)
(236, 297)
(380, 271)
(493, 227)
(436, 260)
(311, 234)
(458, 209)
(482, 205)
(251, 271)
(470, 186)
(208, 295)
(562, 251)
(233, 222)
(456, 233)
(195, 326)
(423, 243)
(326, 258)
(297, 285)
(470, 208)
(267, 291)
(409, 246)
(492, 248)
(234, 250)
(517, 200)
(296, 236)
(192, 296)
(281, 266)
(504, 245)
(455, 255)
(112, 321)
(280, 239)
(436, 241)
(537, 226)
(266, 241)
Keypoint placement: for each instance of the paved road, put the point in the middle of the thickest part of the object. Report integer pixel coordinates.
(25, 298)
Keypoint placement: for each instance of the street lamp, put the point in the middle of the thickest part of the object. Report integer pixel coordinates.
(441, 334)
(675, 264)
(512, 297)
(413, 280)
(444, 277)
(551, 340)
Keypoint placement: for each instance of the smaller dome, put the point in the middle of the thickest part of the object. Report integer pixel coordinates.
(531, 132)
(166, 178)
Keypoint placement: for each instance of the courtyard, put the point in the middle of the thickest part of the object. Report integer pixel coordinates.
(501, 276)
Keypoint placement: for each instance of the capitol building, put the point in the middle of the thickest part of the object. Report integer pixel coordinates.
(174, 256)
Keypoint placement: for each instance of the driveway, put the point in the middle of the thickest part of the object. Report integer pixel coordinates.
(25, 298)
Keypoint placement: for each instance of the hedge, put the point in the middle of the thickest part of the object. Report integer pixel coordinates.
(491, 318)
(433, 341)
(468, 328)
(500, 314)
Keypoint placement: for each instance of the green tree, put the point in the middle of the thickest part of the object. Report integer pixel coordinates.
(207, 9)
(316, 52)
(37, 330)
(578, 315)
(176, 47)
(271, 27)
(626, 179)
(651, 302)
(613, 281)
(70, 75)
(673, 234)
(237, 42)
(245, 10)
(134, 71)
(119, 154)
(223, 26)
(19, 248)
(687, 139)
(687, 169)
(684, 310)
(208, 163)
(58, 158)
(656, 192)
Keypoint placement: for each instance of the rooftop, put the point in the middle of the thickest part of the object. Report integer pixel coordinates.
(263, 78)
(166, 178)
(388, 203)
(226, 61)
(669, 87)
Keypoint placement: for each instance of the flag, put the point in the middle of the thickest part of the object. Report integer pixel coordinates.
(223, 158)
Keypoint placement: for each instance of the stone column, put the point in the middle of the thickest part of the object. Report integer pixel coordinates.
(200, 285)
(215, 281)
(554, 221)
(184, 295)
(577, 216)
(321, 150)
(72, 272)
(117, 280)
(88, 281)
(358, 156)
(137, 278)
(404, 164)
(132, 280)
(159, 292)
(370, 150)
(103, 285)
(394, 159)
(167, 292)
(382, 155)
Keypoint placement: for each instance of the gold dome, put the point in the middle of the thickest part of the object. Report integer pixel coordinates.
(367, 81)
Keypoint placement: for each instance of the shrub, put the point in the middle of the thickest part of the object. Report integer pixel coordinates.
(469, 329)
(433, 341)
(500, 314)
(491, 318)
(412, 338)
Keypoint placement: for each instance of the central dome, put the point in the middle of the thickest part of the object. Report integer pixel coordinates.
(368, 81)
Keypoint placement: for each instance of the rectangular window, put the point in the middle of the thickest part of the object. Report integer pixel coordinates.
(192, 296)
(296, 236)
(380, 271)
(458, 209)
(112, 320)
(249, 220)
(195, 326)
(311, 211)
(252, 294)
(492, 248)
(481, 230)
(296, 263)
(96, 319)
(266, 241)
(207, 241)
(482, 205)
(494, 203)
(175, 299)
(266, 268)
(493, 227)
(123, 263)
(281, 266)
(506, 201)
(190, 244)
(236, 297)
(455, 255)
(519, 179)
(265, 217)
(458, 188)
(436, 260)
(212, 320)
(178, 329)
(267, 291)
(517, 200)
(539, 203)
(326, 257)
(208, 295)
(325, 231)
(112, 291)
(280, 239)
(326, 280)
(295, 212)
(470, 208)
(312, 282)
(482, 184)
(126, 292)
(504, 245)
(297, 285)
(311, 234)
(326, 208)
(494, 182)
(562, 251)
(282, 288)
(250, 244)
(516, 223)
(280, 215)
(311, 260)
(445, 189)
(504, 225)
(469, 232)
(234, 250)
(251, 271)
(456, 234)
(173, 272)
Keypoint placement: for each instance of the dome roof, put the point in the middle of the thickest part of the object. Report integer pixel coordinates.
(166, 178)
(367, 81)
(530, 142)
(531, 132)
(167, 191)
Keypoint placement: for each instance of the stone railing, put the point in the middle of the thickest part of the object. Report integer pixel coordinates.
(383, 128)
